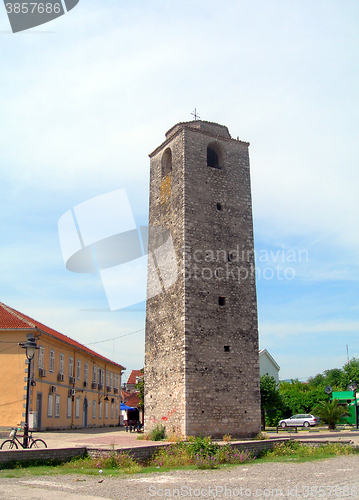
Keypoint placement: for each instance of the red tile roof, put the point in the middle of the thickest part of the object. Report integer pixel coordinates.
(10, 319)
(133, 375)
(133, 400)
(124, 395)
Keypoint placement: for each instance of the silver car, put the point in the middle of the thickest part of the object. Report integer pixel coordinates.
(301, 420)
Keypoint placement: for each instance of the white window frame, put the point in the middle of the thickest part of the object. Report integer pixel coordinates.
(102, 376)
(69, 407)
(99, 376)
(94, 409)
(78, 370)
(111, 379)
(62, 363)
(41, 356)
(86, 372)
(57, 405)
(116, 411)
(50, 406)
(106, 409)
(52, 361)
(107, 378)
(77, 407)
(94, 373)
(100, 410)
(112, 409)
(71, 366)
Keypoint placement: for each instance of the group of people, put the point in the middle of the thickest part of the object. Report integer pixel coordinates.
(133, 425)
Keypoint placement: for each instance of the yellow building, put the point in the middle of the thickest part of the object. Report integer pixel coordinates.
(71, 385)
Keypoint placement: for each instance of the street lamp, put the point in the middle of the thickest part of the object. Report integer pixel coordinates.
(30, 346)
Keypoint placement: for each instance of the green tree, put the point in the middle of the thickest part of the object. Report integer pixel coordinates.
(336, 378)
(271, 401)
(300, 397)
(140, 386)
(351, 372)
(330, 412)
(317, 381)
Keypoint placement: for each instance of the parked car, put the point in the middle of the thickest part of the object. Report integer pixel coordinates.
(303, 419)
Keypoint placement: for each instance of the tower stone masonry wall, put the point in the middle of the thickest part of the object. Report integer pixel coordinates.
(201, 361)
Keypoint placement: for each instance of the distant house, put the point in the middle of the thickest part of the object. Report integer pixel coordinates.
(268, 365)
(132, 400)
(133, 379)
(71, 385)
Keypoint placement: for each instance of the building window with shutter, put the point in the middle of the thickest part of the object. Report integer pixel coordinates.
(41, 357)
(57, 405)
(78, 370)
(94, 409)
(69, 407)
(50, 405)
(77, 408)
(71, 366)
(52, 361)
(62, 364)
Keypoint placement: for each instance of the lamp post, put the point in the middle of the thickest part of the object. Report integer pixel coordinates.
(30, 346)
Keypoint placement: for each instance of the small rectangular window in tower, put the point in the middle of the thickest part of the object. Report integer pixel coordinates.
(227, 348)
(219, 206)
(221, 301)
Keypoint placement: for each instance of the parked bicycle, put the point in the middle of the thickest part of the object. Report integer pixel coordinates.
(13, 442)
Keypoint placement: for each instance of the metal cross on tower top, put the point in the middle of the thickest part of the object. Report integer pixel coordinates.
(196, 116)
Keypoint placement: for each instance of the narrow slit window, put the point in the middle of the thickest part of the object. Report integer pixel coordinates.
(221, 301)
(227, 348)
(219, 206)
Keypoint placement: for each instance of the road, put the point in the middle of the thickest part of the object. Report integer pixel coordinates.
(335, 478)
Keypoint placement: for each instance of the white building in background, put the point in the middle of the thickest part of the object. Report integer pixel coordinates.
(268, 365)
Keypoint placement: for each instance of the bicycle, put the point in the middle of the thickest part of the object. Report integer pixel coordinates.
(12, 444)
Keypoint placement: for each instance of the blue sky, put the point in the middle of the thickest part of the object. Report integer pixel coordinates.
(85, 98)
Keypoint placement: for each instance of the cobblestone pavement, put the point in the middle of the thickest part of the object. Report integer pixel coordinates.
(335, 478)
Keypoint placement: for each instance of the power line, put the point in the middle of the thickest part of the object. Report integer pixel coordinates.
(115, 338)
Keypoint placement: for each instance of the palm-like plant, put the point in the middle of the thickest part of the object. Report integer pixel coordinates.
(330, 412)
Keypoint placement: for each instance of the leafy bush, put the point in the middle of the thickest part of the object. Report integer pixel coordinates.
(261, 436)
(202, 446)
(173, 455)
(201, 452)
(114, 460)
(158, 433)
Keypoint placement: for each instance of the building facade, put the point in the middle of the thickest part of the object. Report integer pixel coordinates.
(268, 365)
(201, 354)
(71, 385)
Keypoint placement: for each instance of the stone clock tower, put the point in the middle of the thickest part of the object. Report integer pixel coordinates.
(201, 361)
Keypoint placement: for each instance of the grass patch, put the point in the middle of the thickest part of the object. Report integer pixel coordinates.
(201, 453)
(294, 450)
(198, 453)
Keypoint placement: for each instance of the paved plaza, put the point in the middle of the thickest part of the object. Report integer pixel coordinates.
(109, 437)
